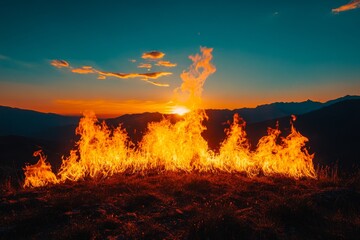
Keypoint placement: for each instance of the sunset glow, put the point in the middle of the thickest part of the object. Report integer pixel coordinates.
(264, 52)
(180, 110)
(102, 152)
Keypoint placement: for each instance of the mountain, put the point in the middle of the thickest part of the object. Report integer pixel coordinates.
(28, 123)
(49, 126)
(282, 109)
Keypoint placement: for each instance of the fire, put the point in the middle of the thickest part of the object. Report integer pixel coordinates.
(39, 174)
(179, 146)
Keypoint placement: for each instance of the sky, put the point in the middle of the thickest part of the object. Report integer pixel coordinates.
(117, 57)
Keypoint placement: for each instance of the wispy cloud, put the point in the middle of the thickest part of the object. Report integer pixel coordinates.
(144, 76)
(3, 57)
(19, 63)
(166, 64)
(60, 64)
(153, 55)
(145, 65)
(102, 75)
(350, 6)
(109, 107)
(83, 70)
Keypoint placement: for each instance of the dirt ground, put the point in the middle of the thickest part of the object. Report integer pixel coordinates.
(184, 206)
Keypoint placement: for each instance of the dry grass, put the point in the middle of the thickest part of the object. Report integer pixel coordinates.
(184, 206)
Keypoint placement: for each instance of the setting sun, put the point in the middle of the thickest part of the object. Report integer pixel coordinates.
(180, 110)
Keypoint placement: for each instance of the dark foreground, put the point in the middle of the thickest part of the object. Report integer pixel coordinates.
(184, 206)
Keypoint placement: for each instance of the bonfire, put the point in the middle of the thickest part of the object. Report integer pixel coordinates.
(102, 152)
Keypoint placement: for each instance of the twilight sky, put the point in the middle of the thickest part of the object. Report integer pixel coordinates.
(126, 56)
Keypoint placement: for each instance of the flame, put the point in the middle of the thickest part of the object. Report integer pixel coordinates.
(39, 174)
(179, 146)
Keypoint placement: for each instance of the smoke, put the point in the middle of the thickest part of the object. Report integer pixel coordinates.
(195, 77)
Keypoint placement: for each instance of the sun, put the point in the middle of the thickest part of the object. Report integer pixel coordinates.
(180, 110)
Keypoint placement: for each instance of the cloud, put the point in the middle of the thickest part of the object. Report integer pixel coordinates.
(144, 76)
(153, 55)
(132, 60)
(156, 83)
(109, 107)
(166, 64)
(144, 65)
(102, 75)
(60, 63)
(83, 70)
(350, 6)
(3, 57)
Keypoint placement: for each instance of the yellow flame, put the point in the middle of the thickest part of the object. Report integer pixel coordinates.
(39, 174)
(179, 146)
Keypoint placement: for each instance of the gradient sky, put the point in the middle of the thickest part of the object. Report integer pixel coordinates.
(264, 51)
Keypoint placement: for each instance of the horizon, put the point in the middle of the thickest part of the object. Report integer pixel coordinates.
(67, 57)
(105, 116)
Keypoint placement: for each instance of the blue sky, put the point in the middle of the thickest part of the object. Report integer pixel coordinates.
(264, 51)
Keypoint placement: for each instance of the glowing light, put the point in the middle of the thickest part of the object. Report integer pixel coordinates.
(179, 146)
(180, 110)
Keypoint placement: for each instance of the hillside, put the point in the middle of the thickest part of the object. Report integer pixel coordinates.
(28, 123)
(184, 206)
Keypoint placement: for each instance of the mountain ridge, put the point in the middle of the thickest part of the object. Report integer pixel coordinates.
(30, 123)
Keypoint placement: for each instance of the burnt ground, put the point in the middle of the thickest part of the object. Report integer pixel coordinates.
(184, 206)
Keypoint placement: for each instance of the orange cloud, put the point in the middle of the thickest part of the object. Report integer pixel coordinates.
(102, 75)
(157, 83)
(166, 64)
(350, 6)
(83, 70)
(60, 63)
(152, 75)
(144, 65)
(108, 107)
(153, 55)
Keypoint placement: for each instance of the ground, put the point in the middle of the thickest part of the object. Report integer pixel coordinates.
(184, 206)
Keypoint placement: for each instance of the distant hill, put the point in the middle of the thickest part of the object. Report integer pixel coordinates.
(282, 109)
(28, 123)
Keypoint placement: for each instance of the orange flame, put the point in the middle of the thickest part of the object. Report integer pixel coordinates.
(179, 146)
(39, 174)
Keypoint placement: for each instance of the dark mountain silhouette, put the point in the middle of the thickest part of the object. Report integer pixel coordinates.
(28, 123)
(282, 109)
(135, 124)
(16, 151)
